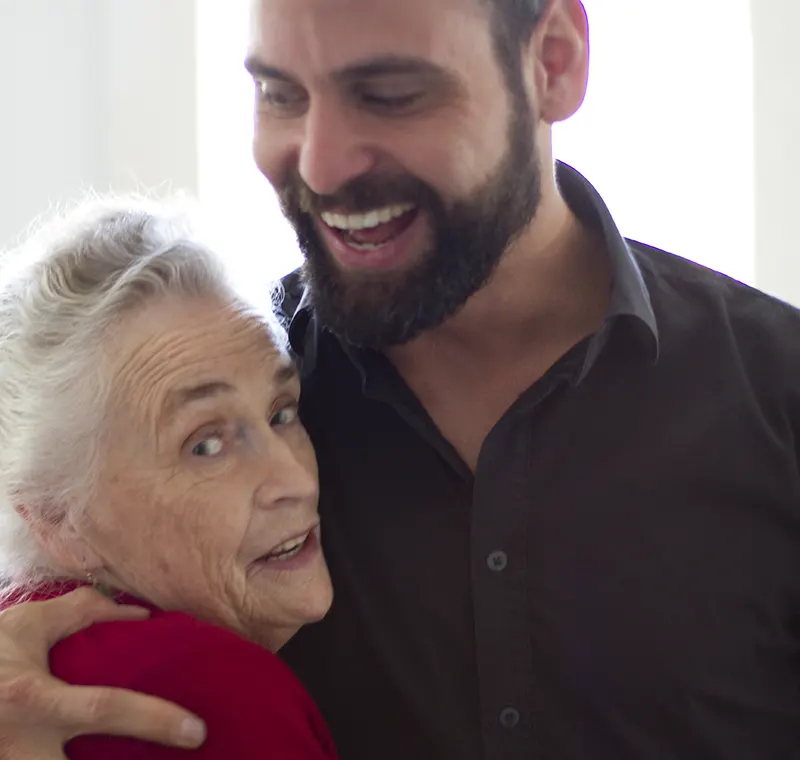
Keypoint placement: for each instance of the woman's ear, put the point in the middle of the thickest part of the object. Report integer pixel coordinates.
(559, 49)
(59, 538)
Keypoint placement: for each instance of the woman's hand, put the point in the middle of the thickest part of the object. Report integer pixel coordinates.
(39, 713)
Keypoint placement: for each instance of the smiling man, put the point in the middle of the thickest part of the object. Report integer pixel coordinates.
(385, 159)
(559, 469)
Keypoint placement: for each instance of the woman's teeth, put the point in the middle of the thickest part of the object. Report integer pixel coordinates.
(288, 549)
(366, 221)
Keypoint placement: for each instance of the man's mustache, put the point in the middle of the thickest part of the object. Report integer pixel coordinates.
(359, 195)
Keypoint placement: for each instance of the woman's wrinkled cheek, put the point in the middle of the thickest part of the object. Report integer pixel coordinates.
(206, 523)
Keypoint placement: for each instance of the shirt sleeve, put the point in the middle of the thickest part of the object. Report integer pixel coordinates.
(253, 706)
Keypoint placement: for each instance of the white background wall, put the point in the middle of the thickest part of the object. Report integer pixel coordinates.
(666, 132)
(51, 136)
(777, 140)
(104, 93)
(93, 93)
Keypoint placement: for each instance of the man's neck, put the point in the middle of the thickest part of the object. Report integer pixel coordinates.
(549, 292)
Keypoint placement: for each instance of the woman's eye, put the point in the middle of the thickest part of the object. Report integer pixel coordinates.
(208, 447)
(285, 416)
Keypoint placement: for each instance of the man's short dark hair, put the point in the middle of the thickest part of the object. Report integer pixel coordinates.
(513, 23)
(516, 19)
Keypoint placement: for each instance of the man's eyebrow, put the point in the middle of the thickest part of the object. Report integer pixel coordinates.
(370, 68)
(389, 65)
(177, 399)
(258, 68)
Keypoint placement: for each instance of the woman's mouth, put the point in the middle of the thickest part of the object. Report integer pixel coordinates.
(288, 549)
(292, 553)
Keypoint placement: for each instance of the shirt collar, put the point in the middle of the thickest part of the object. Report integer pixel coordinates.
(630, 298)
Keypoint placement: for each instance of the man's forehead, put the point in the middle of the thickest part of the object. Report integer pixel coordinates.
(331, 8)
(328, 34)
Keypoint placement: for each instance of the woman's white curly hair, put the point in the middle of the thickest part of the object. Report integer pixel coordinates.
(63, 293)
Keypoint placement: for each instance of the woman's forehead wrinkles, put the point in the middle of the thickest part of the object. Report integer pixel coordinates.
(175, 357)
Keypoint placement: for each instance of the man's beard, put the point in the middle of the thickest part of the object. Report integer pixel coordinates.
(469, 240)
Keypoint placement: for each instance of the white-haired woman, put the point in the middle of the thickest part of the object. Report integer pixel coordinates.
(150, 444)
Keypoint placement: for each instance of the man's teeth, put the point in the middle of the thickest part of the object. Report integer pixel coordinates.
(364, 246)
(367, 221)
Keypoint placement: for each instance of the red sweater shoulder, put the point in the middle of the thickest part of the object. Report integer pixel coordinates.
(253, 705)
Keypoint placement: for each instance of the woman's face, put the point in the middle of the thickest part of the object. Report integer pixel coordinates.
(208, 499)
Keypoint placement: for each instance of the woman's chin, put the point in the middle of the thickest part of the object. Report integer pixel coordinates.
(313, 603)
(294, 606)
(321, 606)
(274, 631)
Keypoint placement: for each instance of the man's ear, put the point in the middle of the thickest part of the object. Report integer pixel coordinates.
(59, 538)
(559, 51)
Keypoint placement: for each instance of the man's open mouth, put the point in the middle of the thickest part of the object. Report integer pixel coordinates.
(370, 230)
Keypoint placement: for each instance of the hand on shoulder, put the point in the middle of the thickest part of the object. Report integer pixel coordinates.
(247, 697)
(39, 713)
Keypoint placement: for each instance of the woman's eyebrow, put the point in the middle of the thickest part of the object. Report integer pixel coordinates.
(181, 397)
(286, 373)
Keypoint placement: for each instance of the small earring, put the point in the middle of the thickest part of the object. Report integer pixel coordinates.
(99, 586)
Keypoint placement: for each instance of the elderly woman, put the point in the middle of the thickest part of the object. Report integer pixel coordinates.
(150, 445)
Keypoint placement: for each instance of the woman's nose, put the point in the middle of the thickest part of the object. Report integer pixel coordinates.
(288, 475)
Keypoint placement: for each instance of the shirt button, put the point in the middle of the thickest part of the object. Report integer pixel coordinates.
(509, 717)
(497, 561)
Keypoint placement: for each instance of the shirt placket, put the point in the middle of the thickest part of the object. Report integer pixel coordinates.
(500, 586)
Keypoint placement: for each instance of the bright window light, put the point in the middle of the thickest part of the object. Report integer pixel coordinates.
(258, 241)
(665, 133)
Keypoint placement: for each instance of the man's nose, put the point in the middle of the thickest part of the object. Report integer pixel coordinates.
(333, 151)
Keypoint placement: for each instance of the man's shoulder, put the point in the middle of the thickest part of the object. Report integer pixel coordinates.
(675, 280)
(695, 304)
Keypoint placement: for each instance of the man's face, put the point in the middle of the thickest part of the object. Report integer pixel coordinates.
(402, 155)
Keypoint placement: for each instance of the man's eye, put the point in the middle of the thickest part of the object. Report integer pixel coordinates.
(209, 447)
(280, 96)
(285, 416)
(391, 102)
